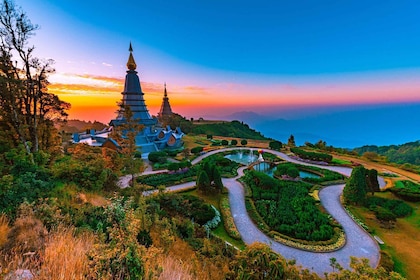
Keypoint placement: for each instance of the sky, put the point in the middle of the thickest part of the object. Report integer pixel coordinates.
(220, 57)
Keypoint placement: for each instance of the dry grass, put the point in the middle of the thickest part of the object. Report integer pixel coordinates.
(4, 229)
(27, 235)
(180, 261)
(65, 255)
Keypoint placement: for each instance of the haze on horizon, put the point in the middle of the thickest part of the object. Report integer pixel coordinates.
(288, 59)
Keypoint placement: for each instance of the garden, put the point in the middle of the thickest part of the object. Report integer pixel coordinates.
(287, 208)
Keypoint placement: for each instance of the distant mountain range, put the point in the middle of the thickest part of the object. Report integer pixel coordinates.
(386, 125)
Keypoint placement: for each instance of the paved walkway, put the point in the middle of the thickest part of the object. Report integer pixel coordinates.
(359, 243)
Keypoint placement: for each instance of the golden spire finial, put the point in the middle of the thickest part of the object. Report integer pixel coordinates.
(131, 64)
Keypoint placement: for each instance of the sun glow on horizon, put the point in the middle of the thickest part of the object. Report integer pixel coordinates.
(95, 97)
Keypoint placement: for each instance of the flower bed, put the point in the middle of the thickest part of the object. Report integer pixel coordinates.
(228, 222)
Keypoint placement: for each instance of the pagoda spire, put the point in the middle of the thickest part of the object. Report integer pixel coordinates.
(131, 63)
(165, 109)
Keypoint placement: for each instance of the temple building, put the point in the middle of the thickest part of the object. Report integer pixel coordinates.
(153, 137)
(165, 109)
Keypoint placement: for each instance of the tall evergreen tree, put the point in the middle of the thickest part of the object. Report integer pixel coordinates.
(291, 141)
(356, 187)
(372, 181)
(203, 182)
(217, 179)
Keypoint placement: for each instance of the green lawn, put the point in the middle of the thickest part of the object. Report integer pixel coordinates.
(220, 231)
(340, 161)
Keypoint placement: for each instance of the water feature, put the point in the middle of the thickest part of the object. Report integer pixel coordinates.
(306, 174)
(241, 158)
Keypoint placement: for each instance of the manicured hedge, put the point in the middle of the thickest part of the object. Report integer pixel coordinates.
(228, 222)
(311, 155)
(397, 207)
(158, 156)
(197, 150)
(407, 190)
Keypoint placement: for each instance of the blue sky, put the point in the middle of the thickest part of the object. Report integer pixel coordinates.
(253, 55)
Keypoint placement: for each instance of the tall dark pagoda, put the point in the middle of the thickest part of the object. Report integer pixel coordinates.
(133, 96)
(165, 109)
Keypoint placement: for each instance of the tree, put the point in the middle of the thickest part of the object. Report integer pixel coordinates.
(372, 180)
(25, 104)
(291, 141)
(244, 142)
(356, 186)
(234, 142)
(275, 145)
(125, 134)
(225, 142)
(217, 179)
(203, 181)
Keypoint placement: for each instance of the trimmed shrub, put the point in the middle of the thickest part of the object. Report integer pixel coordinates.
(197, 150)
(159, 157)
(312, 155)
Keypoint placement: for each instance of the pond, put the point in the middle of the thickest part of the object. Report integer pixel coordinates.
(306, 174)
(243, 157)
(265, 167)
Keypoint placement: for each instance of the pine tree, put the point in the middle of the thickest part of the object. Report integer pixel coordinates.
(217, 179)
(356, 187)
(372, 181)
(203, 182)
(291, 141)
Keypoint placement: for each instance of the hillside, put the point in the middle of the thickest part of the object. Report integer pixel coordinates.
(228, 129)
(405, 153)
(72, 126)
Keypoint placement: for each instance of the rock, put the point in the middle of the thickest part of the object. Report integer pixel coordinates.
(20, 274)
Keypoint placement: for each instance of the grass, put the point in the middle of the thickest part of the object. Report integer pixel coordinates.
(222, 234)
(401, 242)
(4, 229)
(65, 255)
(338, 161)
(220, 231)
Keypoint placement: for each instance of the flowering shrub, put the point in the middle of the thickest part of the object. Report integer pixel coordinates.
(228, 222)
(213, 223)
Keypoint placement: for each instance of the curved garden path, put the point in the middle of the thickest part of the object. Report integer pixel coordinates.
(359, 243)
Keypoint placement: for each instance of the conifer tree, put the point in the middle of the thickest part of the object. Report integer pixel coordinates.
(356, 187)
(372, 180)
(203, 182)
(217, 179)
(291, 141)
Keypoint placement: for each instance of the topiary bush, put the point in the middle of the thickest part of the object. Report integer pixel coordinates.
(197, 150)
(159, 157)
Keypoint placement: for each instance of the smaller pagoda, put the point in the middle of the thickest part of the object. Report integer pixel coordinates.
(165, 109)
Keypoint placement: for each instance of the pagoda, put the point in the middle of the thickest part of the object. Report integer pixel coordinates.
(133, 97)
(153, 137)
(165, 109)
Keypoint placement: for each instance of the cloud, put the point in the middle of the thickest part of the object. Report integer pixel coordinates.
(106, 64)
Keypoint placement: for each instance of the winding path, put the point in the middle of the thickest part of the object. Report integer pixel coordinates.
(359, 243)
